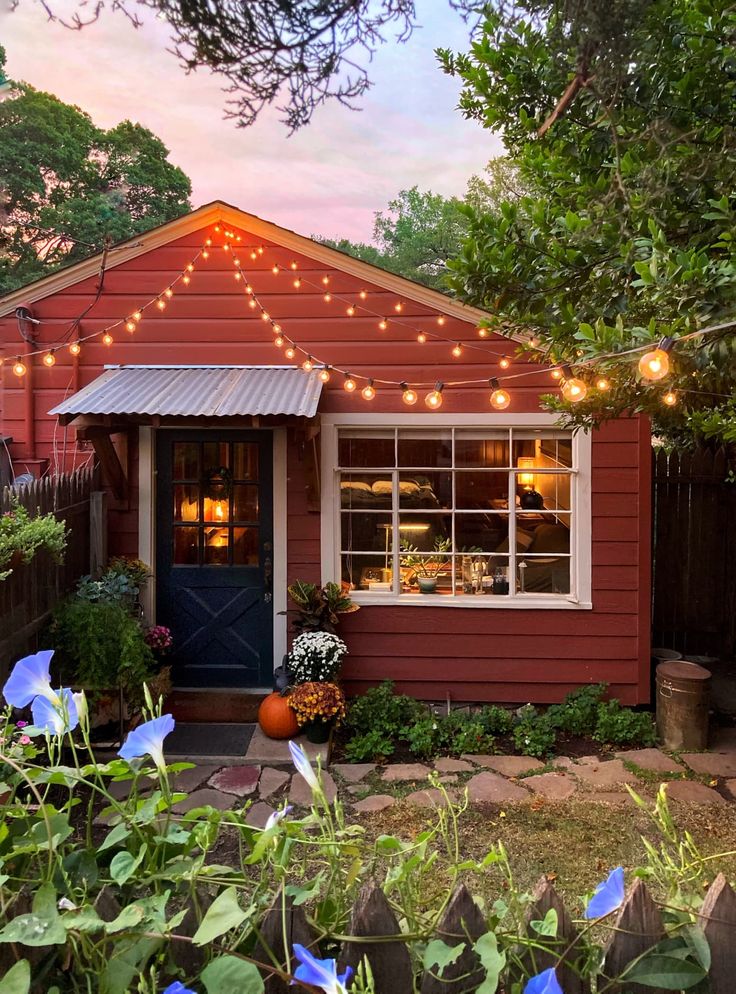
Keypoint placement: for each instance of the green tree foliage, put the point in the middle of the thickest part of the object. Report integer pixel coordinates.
(67, 185)
(619, 117)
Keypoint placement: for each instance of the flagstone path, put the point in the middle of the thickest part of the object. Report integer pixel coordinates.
(366, 788)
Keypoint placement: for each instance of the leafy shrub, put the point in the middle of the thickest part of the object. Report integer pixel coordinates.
(369, 747)
(21, 533)
(470, 736)
(496, 720)
(424, 736)
(111, 588)
(534, 735)
(617, 725)
(578, 713)
(381, 709)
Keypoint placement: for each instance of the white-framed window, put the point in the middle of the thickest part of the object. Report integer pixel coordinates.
(457, 512)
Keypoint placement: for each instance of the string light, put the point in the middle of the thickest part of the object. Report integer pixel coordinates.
(238, 276)
(363, 295)
(602, 384)
(327, 298)
(290, 352)
(136, 315)
(190, 267)
(275, 270)
(107, 339)
(205, 254)
(186, 279)
(324, 374)
(297, 283)
(556, 374)
(573, 388)
(482, 332)
(278, 341)
(440, 319)
(253, 255)
(421, 338)
(325, 280)
(504, 362)
(350, 311)
(75, 348)
(208, 241)
(265, 316)
(398, 307)
(19, 368)
(236, 262)
(500, 399)
(49, 359)
(383, 324)
(161, 304)
(168, 293)
(408, 395)
(348, 383)
(308, 364)
(293, 264)
(277, 329)
(457, 350)
(670, 398)
(261, 250)
(252, 303)
(226, 247)
(655, 365)
(433, 400)
(130, 326)
(368, 391)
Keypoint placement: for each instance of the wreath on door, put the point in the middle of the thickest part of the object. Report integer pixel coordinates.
(218, 483)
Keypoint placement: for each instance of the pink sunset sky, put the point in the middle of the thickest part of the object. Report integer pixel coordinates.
(328, 179)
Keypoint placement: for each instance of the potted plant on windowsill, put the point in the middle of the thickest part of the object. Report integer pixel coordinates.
(426, 568)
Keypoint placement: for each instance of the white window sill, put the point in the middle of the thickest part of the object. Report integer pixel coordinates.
(524, 602)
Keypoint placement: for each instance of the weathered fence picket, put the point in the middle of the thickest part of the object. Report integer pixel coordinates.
(638, 928)
(390, 962)
(718, 921)
(565, 944)
(284, 924)
(462, 922)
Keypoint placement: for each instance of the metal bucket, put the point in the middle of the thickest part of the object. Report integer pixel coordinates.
(683, 697)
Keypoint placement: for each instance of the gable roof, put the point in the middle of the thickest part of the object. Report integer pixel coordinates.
(219, 211)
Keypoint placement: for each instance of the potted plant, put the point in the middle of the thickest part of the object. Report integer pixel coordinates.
(319, 707)
(315, 656)
(21, 537)
(426, 567)
(318, 609)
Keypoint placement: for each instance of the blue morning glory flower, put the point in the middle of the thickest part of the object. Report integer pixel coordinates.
(275, 818)
(303, 766)
(148, 740)
(607, 896)
(177, 988)
(320, 973)
(56, 718)
(30, 678)
(544, 983)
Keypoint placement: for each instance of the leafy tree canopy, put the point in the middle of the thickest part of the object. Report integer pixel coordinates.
(619, 117)
(66, 185)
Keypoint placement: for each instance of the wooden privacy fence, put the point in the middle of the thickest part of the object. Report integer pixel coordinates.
(694, 553)
(30, 593)
(637, 929)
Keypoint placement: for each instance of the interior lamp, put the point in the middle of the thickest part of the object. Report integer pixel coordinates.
(526, 463)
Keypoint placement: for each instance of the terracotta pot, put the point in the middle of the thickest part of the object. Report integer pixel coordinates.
(276, 718)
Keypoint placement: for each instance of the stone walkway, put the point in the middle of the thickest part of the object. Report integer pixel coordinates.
(365, 788)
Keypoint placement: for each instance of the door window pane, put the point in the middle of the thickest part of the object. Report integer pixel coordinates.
(186, 461)
(245, 502)
(186, 546)
(186, 502)
(215, 454)
(245, 546)
(217, 509)
(421, 448)
(245, 460)
(216, 546)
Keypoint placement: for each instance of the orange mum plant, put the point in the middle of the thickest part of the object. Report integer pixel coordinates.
(317, 702)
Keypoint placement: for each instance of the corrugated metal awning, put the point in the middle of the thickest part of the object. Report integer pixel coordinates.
(197, 391)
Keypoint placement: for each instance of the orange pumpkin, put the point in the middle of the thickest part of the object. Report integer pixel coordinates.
(276, 718)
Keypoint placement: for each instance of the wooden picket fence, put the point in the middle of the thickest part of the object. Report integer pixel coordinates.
(376, 935)
(29, 594)
(694, 552)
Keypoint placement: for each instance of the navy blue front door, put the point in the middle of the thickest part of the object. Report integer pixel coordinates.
(214, 555)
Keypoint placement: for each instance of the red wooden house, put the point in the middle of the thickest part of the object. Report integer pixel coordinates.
(495, 556)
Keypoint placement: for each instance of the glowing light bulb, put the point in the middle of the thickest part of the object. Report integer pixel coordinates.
(253, 256)
(325, 280)
(670, 398)
(238, 276)
(225, 248)
(327, 298)
(290, 352)
(398, 307)
(363, 295)
(107, 339)
(655, 365)
(208, 241)
(265, 316)
(136, 315)
(324, 374)
(277, 329)
(504, 362)
(252, 303)
(350, 311)
(500, 398)
(349, 383)
(261, 250)
(441, 319)
(75, 348)
(236, 262)
(186, 280)
(482, 332)
(190, 267)
(602, 384)
(433, 400)
(293, 264)
(161, 304)
(574, 389)
(297, 283)
(49, 359)
(278, 341)
(457, 350)
(217, 228)
(248, 288)
(168, 293)
(408, 395)
(275, 270)
(130, 326)
(383, 324)
(308, 364)
(205, 254)
(368, 391)
(421, 338)
(556, 374)
(19, 368)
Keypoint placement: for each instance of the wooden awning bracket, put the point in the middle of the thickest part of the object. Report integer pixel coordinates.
(113, 472)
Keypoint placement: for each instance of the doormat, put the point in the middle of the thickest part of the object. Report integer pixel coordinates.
(206, 739)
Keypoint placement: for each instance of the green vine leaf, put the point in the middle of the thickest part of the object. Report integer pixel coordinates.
(222, 915)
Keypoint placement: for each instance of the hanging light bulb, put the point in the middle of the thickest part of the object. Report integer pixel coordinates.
(482, 332)
(573, 388)
(363, 294)
(441, 319)
(49, 359)
(383, 324)
(249, 289)
(19, 368)
(308, 364)
(368, 391)
(325, 280)
(421, 338)
(290, 352)
(186, 280)
(190, 267)
(602, 384)
(205, 254)
(208, 241)
(277, 329)
(107, 339)
(504, 362)
(669, 398)
(398, 307)
(226, 248)
(297, 283)
(238, 276)
(130, 326)
(75, 348)
(655, 365)
(327, 298)
(161, 304)
(457, 350)
(278, 341)
(265, 316)
(253, 255)
(348, 383)
(556, 374)
(324, 374)
(408, 395)
(350, 311)
(293, 264)
(252, 303)
(168, 293)
(261, 250)
(136, 315)
(217, 228)
(500, 398)
(275, 270)
(433, 400)
(236, 262)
